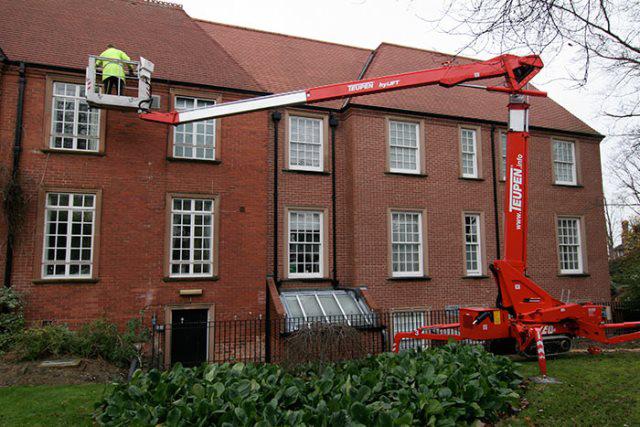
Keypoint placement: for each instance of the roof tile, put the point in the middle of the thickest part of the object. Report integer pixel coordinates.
(64, 32)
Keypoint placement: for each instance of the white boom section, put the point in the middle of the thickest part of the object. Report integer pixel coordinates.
(242, 106)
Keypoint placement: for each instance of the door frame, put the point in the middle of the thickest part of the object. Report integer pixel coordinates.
(168, 320)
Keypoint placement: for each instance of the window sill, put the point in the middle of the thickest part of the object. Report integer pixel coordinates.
(307, 280)
(574, 275)
(181, 159)
(191, 279)
(409, 279)
(417, 175)
(482, 276)
(306, 172)
(469, 178)
(63, 281)
(72, 152)
(555, 184)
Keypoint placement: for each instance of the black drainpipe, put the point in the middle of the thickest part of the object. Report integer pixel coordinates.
(276, 116)
(496, 215)
(333, 123)
(17, 148)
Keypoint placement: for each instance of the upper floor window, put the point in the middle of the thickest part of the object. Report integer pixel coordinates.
(191, 251)
(406, 244)
(469, 153)
(404, 147)
(473, 263)
(503, 155)
(195, 140)
(564, 162)
(305, 244)
(74, 126)
(569, 245)
(305, 143)
(68, 235)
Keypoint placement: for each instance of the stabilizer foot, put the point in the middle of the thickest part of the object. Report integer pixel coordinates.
(543, 379)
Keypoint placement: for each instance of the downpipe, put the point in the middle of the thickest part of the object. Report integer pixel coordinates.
(15, 168)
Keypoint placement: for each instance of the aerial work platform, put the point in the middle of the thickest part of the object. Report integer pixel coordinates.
(135, 92)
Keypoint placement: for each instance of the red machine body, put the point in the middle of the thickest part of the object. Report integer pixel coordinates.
(526, 317)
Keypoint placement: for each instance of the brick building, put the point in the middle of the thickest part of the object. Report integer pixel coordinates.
(390, 194)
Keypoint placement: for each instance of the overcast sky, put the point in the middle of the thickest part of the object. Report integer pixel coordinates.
(366, 23)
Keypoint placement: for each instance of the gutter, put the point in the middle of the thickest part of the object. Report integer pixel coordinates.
(13, 187)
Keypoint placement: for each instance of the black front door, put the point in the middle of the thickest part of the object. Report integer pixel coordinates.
(189, 337)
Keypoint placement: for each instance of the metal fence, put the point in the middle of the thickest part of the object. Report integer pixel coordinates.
(260, 341)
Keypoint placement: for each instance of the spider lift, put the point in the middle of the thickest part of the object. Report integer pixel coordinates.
(527, 319)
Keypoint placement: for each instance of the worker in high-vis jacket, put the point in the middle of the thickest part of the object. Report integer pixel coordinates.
(113, 73)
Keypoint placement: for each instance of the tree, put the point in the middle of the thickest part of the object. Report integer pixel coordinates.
(600, 33)
(625, 271)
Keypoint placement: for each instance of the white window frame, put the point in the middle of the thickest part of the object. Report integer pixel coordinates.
(70, 209)
(478, 244)
(304, 275)
(420, 245)
(196, 101)
(416, 170)
(578, 223)
(475, 173)
(320, 146)
(77, 100)
(192, 214)
(574, 170)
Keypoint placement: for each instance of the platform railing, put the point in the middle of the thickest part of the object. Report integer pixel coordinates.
(134, 94)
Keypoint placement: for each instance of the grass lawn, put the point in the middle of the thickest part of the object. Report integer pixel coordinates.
(49, 406)
(595, 391)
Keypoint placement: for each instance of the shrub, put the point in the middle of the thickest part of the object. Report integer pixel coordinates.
(323, 342)
(47, 341)
(99, 338)
(11, 318)
(449, 385)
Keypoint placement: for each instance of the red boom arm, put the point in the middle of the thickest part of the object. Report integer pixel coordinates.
(517, 71)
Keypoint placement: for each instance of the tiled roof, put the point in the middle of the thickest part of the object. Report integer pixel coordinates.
(282, 63)
(64, 32)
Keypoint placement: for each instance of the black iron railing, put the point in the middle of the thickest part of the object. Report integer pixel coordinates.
(245, 340)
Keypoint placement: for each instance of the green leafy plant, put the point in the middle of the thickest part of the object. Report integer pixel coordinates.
(449, 385)
(11, 318)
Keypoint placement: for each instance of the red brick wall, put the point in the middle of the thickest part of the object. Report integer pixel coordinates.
(445, 196)
(135, 177)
